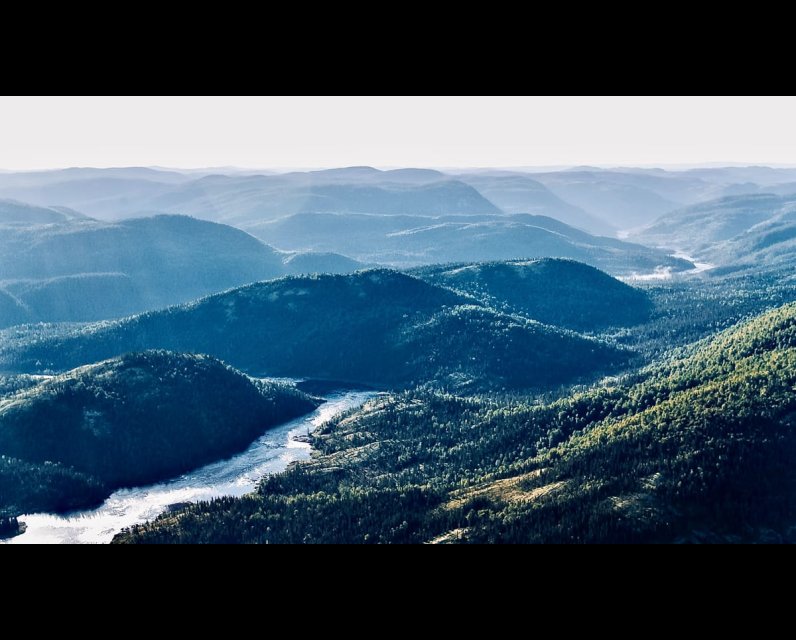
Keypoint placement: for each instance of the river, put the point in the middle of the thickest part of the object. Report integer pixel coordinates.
(667, 273)
(272, 453)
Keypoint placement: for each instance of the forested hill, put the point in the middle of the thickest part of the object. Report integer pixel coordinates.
(20, 213)
(564, 293)
(70, 440)
(80, 270)
(405, 241)
(698, 449)
(161, 260)
(375, 327)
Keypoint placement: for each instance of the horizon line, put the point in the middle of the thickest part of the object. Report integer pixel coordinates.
(684, 166)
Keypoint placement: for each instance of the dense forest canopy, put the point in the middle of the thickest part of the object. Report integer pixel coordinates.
(69, 440)
(700, 448)
(581, 355)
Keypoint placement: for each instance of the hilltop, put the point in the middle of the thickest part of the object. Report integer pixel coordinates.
(563, 293)
(70, 440)
(374, 327)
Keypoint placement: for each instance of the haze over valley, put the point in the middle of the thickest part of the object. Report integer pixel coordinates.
(471, 352)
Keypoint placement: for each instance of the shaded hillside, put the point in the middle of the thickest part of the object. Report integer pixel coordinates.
(558, 292)
(20, 213)
(12, 310)
(770, 245)
(375, 327)
(623, 199)
(697, 228)
(475, 349)
(699, 449)
(151, 249)
(88, 270)
(80, 298)
(128, 421)
(519, 193)
(408, 241)
(84, 270)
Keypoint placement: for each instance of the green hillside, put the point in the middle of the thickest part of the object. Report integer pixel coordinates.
(129, 421)
(375, 327)
(699, 448)
(558, 292)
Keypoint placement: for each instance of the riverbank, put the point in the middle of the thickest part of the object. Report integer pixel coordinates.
(236, 476)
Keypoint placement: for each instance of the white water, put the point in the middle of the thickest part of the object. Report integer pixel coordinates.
(272, 453)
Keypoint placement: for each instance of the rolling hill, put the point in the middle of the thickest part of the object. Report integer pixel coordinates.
(741, 234)
(520, 193)
(697, 228)
(563, 293)
(597, 200)
(701, 448)
(768, 246)
(623, 200)
(238, 198)
(375, 327)
(72, 439)
(20, 213)
(84, 270)
(409, 241)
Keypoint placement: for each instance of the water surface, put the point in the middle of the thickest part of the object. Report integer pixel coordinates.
(272, 453)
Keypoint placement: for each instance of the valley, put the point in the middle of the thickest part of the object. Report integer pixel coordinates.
(358, 355)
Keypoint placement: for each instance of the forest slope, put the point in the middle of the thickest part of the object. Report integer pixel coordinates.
(701, 448)
(563, 293)
(375, 327)
(72, 439)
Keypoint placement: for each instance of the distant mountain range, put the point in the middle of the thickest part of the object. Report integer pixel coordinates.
(592, 199)
(408, 241)
(519, 193)
(736, 232)
(239, 199)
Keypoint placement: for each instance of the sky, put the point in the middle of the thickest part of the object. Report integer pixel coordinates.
(448, 132)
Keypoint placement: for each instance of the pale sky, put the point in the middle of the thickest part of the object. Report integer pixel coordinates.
(185, 132)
